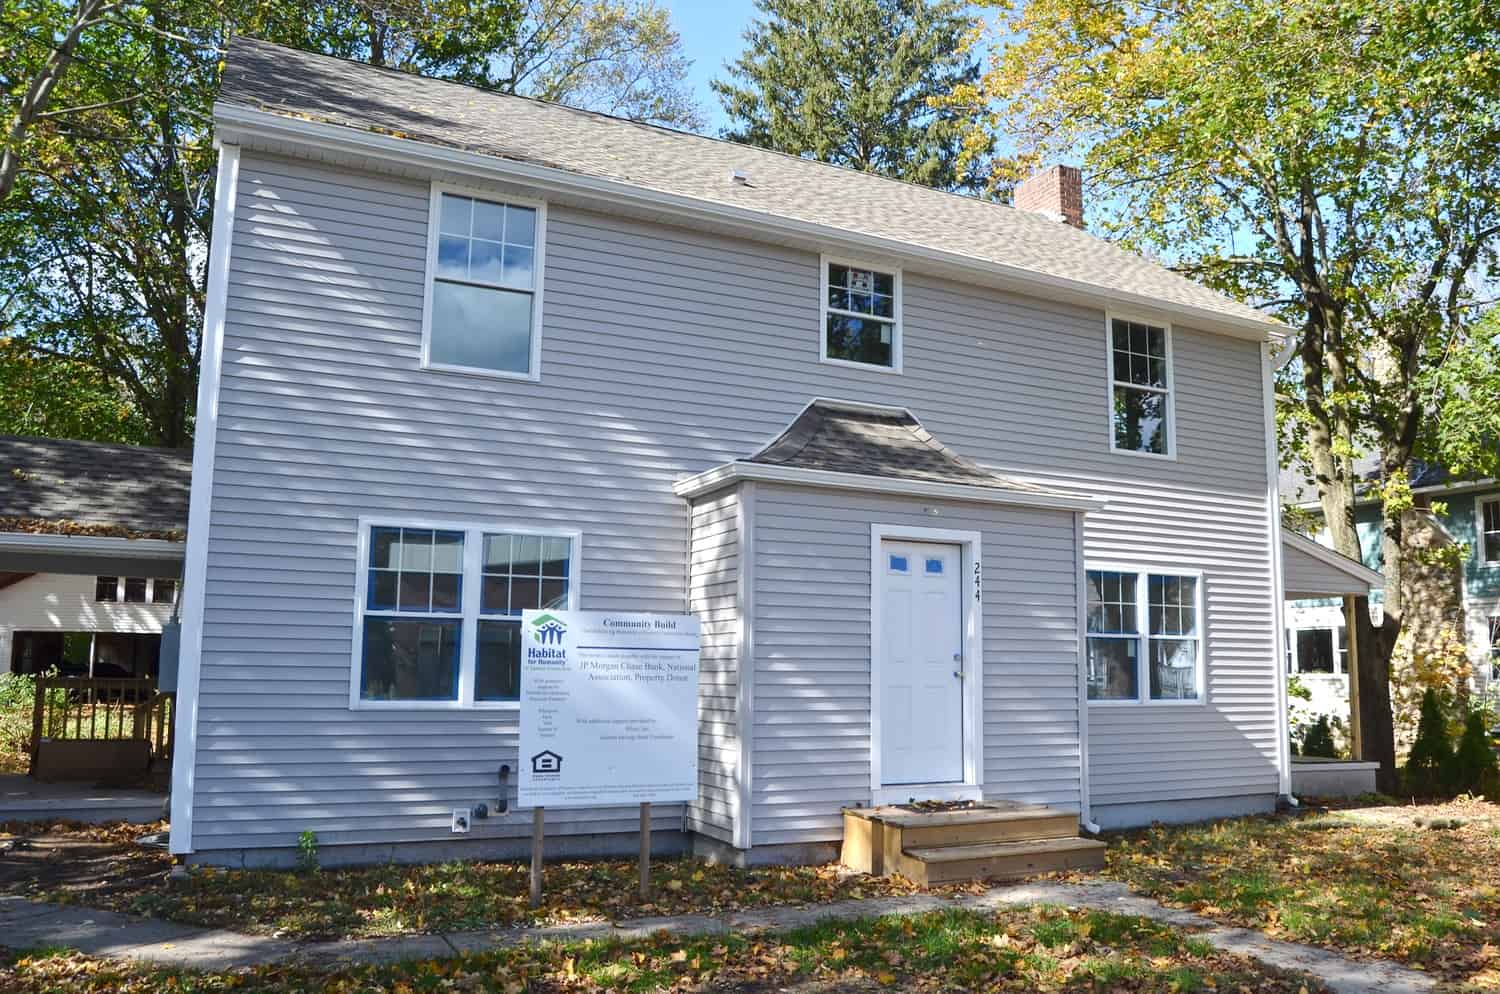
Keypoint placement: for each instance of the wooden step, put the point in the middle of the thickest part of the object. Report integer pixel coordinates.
(962, 828)
(998, 860)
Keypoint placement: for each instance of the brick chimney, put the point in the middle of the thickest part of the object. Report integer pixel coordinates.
(1056, 191)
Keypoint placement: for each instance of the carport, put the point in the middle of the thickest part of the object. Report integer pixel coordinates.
(92, 538)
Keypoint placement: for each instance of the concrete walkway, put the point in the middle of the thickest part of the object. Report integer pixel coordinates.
(27, 924)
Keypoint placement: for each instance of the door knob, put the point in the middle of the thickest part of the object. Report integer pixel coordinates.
(958, 657)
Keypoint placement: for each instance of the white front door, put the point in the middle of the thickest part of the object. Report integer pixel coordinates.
(921, 663)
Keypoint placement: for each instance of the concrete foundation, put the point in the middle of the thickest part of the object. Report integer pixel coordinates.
(1111, 816)
(1313, 776)
(789, 854)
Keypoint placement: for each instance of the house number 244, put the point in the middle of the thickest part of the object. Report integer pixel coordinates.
(978, 581)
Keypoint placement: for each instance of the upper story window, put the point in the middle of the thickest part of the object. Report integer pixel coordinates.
(1489, 529)
(484, 268)
(439, 613)
(861, 315)
(1494, 649)
(1140, 387)
(1145, 640)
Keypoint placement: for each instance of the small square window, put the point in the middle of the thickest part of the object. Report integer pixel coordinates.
(135, 590)
(106, 589)
(163, 591)
(934, 567)
(898, 564)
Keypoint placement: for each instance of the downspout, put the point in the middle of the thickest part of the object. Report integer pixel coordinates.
(1270, 363)
(1085, 816)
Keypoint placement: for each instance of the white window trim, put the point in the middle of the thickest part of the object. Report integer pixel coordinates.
(897, 335)
(1171, 392)
(1143, 635)
(1479, 505)
(468, 615)
(539, 262)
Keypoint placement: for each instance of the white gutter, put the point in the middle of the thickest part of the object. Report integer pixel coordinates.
(236, 123)
(734, 472)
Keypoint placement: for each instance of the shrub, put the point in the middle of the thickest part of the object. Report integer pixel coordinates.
(1473, 763)
(17, 695)
(1431, 755)
(1319, 739)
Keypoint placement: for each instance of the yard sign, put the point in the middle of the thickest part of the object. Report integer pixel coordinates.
(609, 709)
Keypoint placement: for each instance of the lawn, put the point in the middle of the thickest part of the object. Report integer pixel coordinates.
(1031, 949)
(99, 866)
(1416, 884)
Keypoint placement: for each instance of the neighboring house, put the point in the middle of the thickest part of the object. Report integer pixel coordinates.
(1013, 535)
(91, 539)
(1466, 512)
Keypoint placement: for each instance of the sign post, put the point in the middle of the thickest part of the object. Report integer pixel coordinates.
(609, 716)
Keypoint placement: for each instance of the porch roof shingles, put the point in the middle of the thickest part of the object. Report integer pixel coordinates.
(261, 76)
(880, 442)
(62, 486)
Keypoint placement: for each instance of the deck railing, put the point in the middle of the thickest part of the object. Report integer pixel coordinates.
(102, 709)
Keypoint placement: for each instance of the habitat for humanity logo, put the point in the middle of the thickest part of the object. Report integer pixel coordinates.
(547, 629)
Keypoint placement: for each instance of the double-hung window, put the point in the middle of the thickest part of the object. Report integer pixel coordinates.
(1140, 387)
(861, 315)
(1494, 649)
(1487, 511)
(484, 281)
(439, 610)
(1144, 636)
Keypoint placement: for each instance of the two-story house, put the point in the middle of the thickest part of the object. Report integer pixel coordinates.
(969, 502)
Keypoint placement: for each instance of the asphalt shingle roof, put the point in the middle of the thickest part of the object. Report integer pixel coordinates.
(867, 441)
(133, 489)
(262, 76)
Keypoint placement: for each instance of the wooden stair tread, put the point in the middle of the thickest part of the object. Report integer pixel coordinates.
(993, 850)
(968, 816)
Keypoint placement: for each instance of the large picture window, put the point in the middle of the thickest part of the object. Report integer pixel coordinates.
(484, 271)
(1140, 387)
(861, 315)
(440, 610)
(1144, 636)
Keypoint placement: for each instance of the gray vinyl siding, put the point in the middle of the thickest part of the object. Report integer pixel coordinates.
(714, 597)
(665, 352)
(812, 653)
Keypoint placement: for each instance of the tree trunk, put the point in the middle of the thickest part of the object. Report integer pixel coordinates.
(1377, 730)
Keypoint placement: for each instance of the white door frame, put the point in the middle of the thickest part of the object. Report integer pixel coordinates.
(972, 599)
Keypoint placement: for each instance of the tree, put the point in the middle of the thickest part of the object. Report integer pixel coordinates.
(1431, 759)
(849, 82)
(103, 237)
(618, 58)
(1333, 160)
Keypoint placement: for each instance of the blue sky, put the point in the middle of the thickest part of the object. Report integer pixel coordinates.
(710, 32)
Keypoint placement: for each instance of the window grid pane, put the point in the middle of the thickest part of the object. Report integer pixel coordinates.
(1495, 648)
(1113, 669)
(1111, 603)
(524, 571)
(415, 571)
(107, 589)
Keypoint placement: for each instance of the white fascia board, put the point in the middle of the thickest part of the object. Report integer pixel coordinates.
(1359, 571)
(735, 472)
(100, 546)
(236, 123)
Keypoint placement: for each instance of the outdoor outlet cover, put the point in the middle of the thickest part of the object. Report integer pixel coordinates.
(460, 821)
